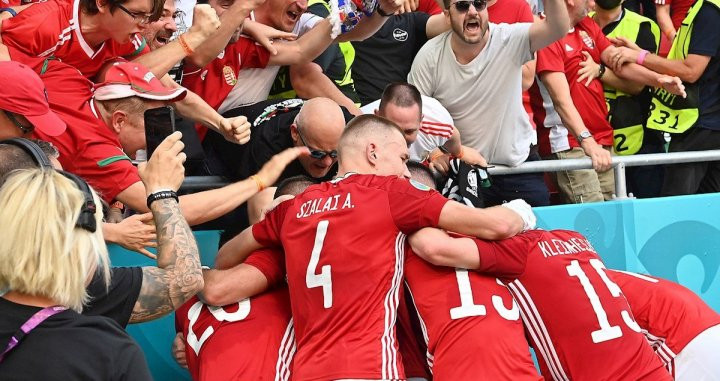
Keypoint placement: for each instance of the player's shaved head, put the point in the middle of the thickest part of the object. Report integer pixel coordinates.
(422, 174)
(372, 144)
(293, 186)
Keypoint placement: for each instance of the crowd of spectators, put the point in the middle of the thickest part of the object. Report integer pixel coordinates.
(271, 92)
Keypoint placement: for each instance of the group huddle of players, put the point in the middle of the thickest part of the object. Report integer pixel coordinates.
(370, 303)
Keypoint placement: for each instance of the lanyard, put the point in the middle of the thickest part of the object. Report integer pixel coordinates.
(28, 326)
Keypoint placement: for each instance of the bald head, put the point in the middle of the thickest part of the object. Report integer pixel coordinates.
(318, 126)
(373, 145)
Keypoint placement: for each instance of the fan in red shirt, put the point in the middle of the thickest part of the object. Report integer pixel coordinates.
(683, 330)
(579, 322)
(250, 340)
(344, 251)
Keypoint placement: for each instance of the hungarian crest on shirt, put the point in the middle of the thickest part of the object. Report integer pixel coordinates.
(229, 75)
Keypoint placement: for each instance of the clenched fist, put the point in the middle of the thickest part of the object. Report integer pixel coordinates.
(205, 21)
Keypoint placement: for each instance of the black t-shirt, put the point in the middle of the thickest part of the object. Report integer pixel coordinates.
(705, 41)
(68, 346)
(388, 55)
(269, 135)
(117, 301)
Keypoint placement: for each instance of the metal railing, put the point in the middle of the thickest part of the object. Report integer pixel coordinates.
(619, 163)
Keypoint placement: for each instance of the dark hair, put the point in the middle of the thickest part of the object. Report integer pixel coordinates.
(90, 7)
(400, 94)
(423, 174)
(446, 3)
(13, 157)
(294, 185)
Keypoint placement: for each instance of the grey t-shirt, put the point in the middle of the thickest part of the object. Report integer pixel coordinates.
(484, 96)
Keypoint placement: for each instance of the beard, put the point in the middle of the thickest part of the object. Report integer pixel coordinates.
(466, 35)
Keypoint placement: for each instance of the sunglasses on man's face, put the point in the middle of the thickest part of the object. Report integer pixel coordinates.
(464, 5)
(316, 153)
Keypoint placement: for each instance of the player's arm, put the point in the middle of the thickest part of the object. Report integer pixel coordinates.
(503, 258)
(232, 285)
(205, 206)
(492, 223)
(237, 249)
(309, 81)
(555, 25)
(160, 61)
(177, 276)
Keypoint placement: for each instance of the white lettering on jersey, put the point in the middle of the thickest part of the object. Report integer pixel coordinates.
(573, 245)
(322, 205)
(220, 314)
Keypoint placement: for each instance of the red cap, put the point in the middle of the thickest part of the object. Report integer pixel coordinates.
(129, 79)
(23, 93)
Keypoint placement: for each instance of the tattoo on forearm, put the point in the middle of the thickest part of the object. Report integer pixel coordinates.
(178, 276)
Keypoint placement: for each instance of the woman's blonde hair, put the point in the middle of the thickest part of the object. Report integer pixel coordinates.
(42, 252)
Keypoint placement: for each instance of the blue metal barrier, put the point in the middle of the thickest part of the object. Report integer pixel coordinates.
(677, 238)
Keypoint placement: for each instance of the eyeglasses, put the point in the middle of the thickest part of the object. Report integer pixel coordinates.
(464, 5)
(13, 119)
(139, 17)
(316, 153)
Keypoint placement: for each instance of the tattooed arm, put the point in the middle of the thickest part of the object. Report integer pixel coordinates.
(178, 276)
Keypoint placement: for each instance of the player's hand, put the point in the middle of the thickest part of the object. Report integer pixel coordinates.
(265, 35)
(601, 158)
(165, 168)
(235, 130)
(473, 157)
(178, 350)
(437, 161)
(672, 85)
(271, 171)
(136, 233)
(205, 21)
(589, 70)
(624, 42)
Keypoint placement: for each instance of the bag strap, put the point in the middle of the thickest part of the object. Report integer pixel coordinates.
(29, 325)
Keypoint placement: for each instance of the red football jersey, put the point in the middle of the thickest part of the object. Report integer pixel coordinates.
(249, 340)
(409, 335)
(579, 321)
(214, 82)
(471, 324)
(344, 252)
(52, 29)
(670, 314)
(565, 55)
(88, 148)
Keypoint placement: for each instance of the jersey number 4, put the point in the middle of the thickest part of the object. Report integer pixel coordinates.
(606, 331)
(324, 279)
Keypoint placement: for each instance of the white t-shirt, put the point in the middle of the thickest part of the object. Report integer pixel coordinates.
(253, 85)
(484, 96)
(436, 127)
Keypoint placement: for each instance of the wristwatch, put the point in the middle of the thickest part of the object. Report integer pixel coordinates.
(583, 135)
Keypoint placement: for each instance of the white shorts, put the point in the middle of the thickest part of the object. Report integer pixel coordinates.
(699, 360)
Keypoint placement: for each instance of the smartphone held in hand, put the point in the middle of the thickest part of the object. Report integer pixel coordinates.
(159, 123)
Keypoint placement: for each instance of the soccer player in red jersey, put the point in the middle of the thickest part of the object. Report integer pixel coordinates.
(461, 313)
(579, 322)
(683, 330)
(344, 252)
(252, 339)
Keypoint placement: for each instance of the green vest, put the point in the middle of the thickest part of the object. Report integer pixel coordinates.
(668, 112)
(626, 112)
(282, 87)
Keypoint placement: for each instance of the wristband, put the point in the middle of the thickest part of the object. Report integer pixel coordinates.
(260, 184)
(184, 45)
(381, 12)
(435, 156)
(9, 10)
(601, 71)
(641, 57)
(159, 195)
(523, 209)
